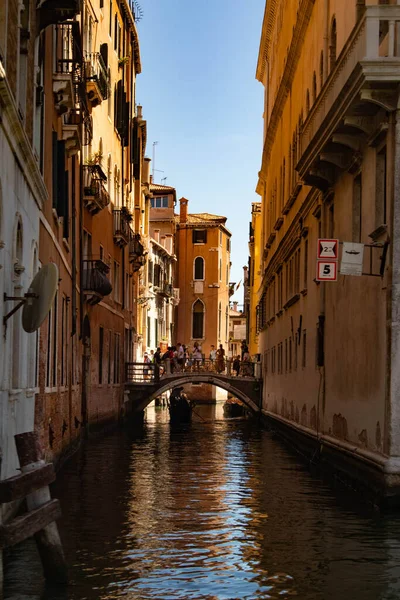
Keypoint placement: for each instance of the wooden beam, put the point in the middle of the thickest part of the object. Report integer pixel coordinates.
(21, 485)
(29, 524)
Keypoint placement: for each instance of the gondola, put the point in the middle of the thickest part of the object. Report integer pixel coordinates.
(180, 407)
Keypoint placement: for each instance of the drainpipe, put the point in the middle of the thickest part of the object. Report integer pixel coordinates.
(123, 167)
(73, 240)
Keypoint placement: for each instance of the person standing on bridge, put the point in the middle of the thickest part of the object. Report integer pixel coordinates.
(220, 359)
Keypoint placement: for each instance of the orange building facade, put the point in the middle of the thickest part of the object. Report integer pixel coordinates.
(93, 225)
(203, 251)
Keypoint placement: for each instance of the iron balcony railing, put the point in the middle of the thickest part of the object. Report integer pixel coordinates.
(122, 219)
(95, 195)
(95, 281)
(95, 70)
(67, 47)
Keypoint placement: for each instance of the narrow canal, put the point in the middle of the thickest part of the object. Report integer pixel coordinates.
(215, 510)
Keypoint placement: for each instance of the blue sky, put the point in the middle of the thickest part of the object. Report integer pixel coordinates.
(204, 107)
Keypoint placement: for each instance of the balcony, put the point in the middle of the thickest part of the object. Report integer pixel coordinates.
(96, 78)
(67, 66)
(95, 282)
(175, 296)
(95, 195)
(51, 12)
(122, 230)
(137, 251)
(165, 289)
(348, 110)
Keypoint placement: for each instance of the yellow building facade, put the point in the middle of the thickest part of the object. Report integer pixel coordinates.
(254, 276)
(329, 170)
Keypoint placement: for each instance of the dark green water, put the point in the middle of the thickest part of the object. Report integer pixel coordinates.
(216, 510)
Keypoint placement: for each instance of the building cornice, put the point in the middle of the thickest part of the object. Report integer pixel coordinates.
(303, 18)
(266, 35)
(136, 48)
(19, 143)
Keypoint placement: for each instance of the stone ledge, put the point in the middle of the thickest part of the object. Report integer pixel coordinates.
(362, 470)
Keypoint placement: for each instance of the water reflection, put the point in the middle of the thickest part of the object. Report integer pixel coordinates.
(214, 510)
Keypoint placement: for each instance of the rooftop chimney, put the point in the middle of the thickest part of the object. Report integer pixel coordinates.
(235, 306)
(156, 234)
(183, 210)
(146, 170)
(139, 112)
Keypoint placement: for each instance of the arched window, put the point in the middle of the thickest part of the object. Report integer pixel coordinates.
(321, 70)
(199, 268)
(198, 320)
(308, 102)
(332, 44)
(314, 87)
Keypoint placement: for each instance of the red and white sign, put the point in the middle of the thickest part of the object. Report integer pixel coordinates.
(328, 249)
(326, 270)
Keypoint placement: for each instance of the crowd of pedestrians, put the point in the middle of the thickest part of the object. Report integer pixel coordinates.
(182, 358)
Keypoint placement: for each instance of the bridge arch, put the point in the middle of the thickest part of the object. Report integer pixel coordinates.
(248, 390)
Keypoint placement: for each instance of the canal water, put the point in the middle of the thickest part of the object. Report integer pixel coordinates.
(213, 510)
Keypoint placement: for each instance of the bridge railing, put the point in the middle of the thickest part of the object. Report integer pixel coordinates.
(140, 372)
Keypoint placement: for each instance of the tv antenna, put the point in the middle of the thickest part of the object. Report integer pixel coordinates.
(37, 301)
(137, 10)
(154, 158)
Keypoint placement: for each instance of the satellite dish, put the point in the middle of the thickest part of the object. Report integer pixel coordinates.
(43, 288)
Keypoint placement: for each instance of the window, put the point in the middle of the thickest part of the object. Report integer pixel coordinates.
(220, 269)
(226, 324)
(64, 343)
(109, 356)
(304, 356)
(199, 268)
(127, 295)
(332, 45)
(380, 195)
(199, 236)
(198, 320)
(150, 271)
(228, 244)
(110, 21)
(87, 245)
(286, 357)
(101, 352)
(101, 3)
(314, 87)
(157, 275)
(321, 70)
(116, 357)
(116, 282)
(48, 355)
(148, 332)
(54, 342)
(220, 238)
(219, 320)
(161, 202)
(357, 207)
(305, 270)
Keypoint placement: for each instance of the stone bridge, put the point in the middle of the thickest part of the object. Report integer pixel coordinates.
(144, 383)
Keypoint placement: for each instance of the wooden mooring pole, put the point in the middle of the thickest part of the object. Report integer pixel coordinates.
(33, 486)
